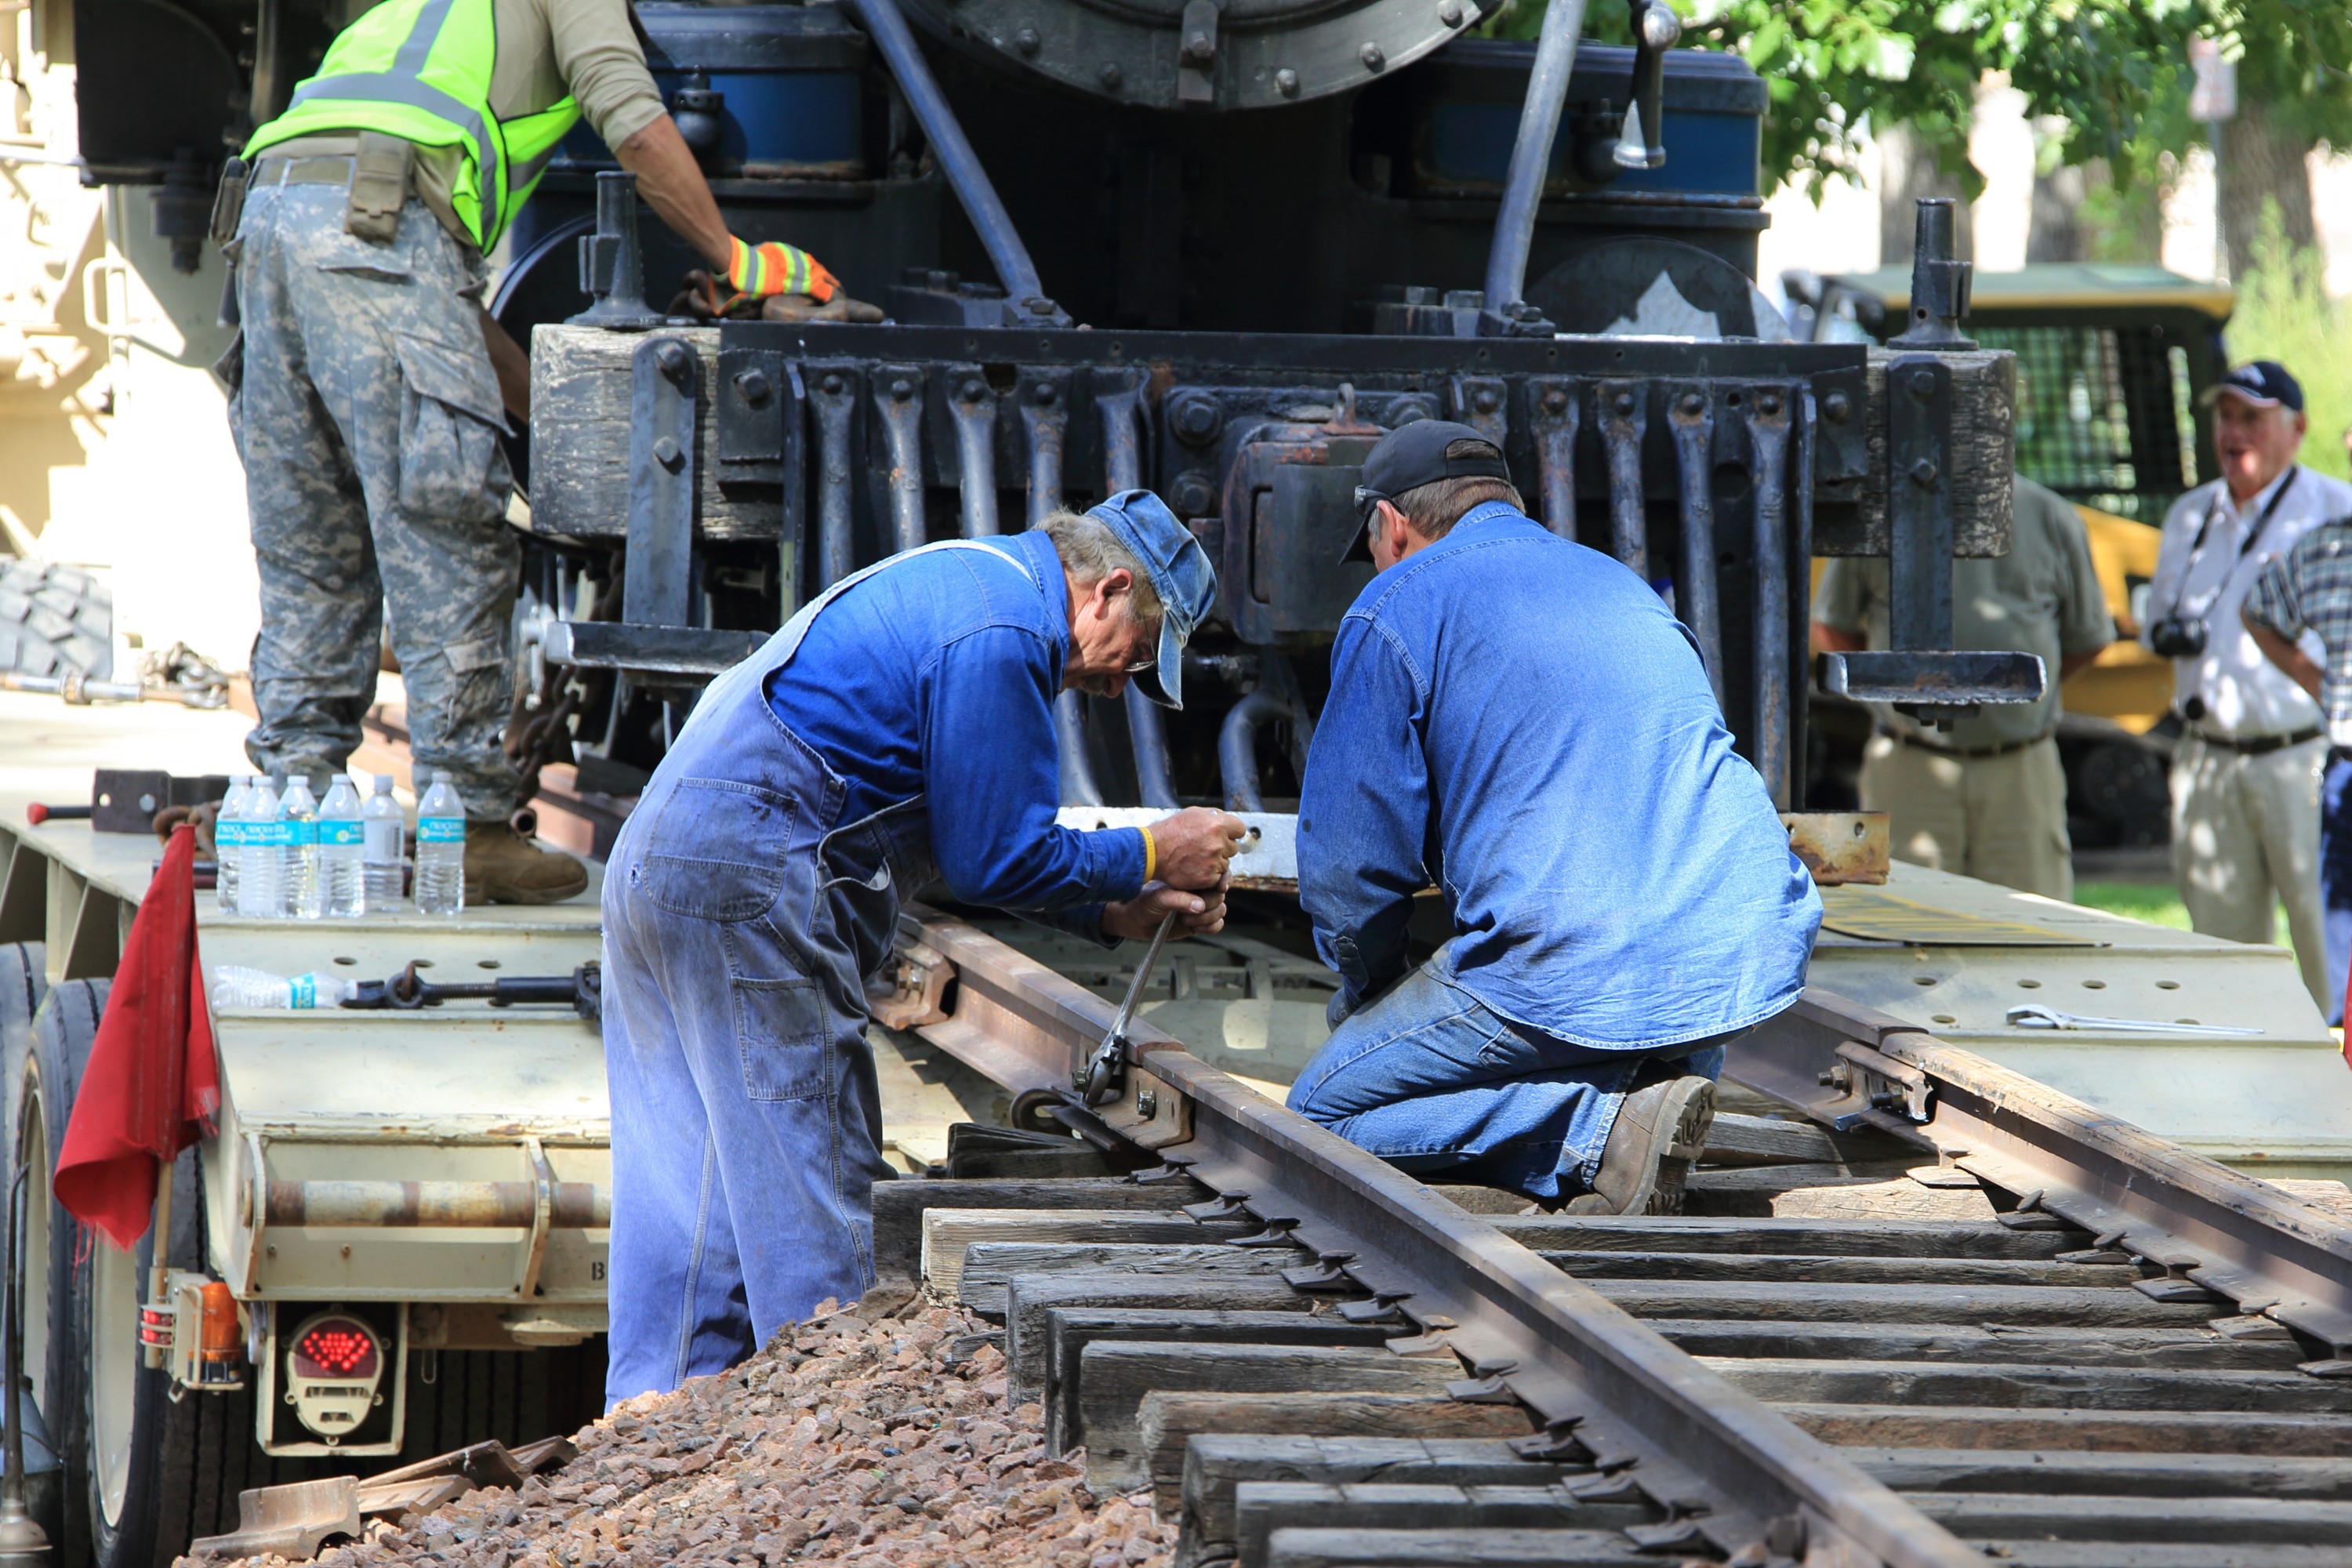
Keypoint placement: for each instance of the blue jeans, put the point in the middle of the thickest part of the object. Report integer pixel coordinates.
(746, 1122)
(2336, 876)
(1434, 1082)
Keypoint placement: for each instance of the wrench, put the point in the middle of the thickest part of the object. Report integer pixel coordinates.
(2033, 1015)
(1099, 1081)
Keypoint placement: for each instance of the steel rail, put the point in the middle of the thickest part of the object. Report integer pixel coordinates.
(1720, 1463)
(2234, 1235)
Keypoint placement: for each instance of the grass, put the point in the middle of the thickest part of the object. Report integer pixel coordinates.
(2155, 903)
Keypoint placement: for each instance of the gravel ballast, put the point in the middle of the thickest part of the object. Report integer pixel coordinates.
(876, 1435)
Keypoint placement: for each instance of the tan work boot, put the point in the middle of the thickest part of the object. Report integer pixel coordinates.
(1660, 1131)
(505, 866)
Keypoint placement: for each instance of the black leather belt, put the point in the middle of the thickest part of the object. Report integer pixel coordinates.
(1965, 753)
(2260, 745)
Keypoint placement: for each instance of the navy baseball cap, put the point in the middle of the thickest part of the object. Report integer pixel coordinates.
(2264, 383)
(1412, 456)
(1180, 574)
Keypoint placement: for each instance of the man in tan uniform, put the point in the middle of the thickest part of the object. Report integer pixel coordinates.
(1986, 798)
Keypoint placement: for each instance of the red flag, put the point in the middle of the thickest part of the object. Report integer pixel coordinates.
(151, 1085)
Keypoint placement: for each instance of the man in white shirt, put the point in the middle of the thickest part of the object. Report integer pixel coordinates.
(2245, 776)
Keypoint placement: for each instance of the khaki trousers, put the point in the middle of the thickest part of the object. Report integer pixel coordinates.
(2000, 819)
(2244, 830)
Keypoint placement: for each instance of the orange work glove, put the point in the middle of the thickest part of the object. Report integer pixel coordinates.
(775, 268)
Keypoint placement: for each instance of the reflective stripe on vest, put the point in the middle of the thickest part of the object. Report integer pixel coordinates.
(375, 78)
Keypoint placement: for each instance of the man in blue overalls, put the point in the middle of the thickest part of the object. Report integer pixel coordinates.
(899, 727)
(1521, 723)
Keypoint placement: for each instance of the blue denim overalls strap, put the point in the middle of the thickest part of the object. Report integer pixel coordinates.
(740, 919)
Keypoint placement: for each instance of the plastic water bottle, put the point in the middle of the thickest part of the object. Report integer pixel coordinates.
(339, 849)
(385, 828)
(440, 849)
(228, 844)
(302, 892)
(261, 881)
(235, 985)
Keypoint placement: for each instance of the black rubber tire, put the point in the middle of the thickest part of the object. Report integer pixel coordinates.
(62, 1032)
(55, 620)
(23, 982)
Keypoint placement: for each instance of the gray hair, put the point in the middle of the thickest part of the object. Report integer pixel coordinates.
(1090, 552)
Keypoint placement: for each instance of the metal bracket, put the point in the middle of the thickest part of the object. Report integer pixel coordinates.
(899, 408)
(833, 395)
(1479, 402)
(1624, 419)
(1554, 411)
(1871, 1083)
(757, 401)
(665, 380)
(1196, 54)
(971, 405)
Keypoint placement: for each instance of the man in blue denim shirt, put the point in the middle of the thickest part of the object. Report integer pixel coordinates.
(1519, 721)
(899, 726)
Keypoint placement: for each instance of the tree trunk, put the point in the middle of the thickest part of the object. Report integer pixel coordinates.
(2263, 160)
(2079, 215)
(1907, 171)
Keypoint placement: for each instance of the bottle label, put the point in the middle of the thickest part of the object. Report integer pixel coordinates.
(384, 840)
(440, 830)
(301, 835)
(268, 834)
(228, 835)
(305, 991)
(339, 834)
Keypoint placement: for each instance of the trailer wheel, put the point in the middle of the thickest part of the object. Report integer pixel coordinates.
(55, 620)
(51, 1072)
(24, 980)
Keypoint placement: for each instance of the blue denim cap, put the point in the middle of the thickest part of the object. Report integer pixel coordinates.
(1179, 572)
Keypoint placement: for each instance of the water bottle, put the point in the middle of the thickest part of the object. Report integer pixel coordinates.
(228, 844)
(302, 890)
(440, 849)
(386, 829)
(339, 849)
(261, 881)
(234, 985)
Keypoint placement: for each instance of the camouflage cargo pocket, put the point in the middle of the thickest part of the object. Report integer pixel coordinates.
(451, 465)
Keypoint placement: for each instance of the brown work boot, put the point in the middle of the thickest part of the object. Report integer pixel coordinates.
(505, 866)
(1660, 1131)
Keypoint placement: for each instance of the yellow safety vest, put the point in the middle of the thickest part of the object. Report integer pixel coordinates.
(420, 70)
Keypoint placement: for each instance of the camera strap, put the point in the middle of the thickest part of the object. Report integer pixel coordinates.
(2245, 546)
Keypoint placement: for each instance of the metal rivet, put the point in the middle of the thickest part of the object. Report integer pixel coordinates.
(1770, 402)
(1624, 403)
(1555, 401)
(1837, 407)
(1111, 76)
(1484, 400)
(1450, 14)
(1372, 57)
(672, 359)
(147, 803)
(833, 384)
(1923, 384)
(753, 385)
(1026, 40)
(973, 391)
(667, 454)
(902, 389)
(1923, 472)
(1285, 82)
(1043, 395)
(1693, 404)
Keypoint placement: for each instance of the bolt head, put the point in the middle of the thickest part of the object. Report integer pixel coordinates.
(1836, 407)
(1555, 401)
(1026, 40)
(1043, 395)
(1110, 76)
(1198, 50)
(1450, 14)
(1923, 473)
(1285, 82)
(667, 454)
(671, 357)
(1623, 403)
(972, 391)
(1692, 404)
(902, 389)
(753, 385)
(1197, 418)
(1923, 384)
(1770, 402)
(1194, 497)
(1484, 399)
(833, 385)
(1375, 59)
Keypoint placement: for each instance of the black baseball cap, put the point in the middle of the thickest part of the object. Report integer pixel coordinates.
(2264, 383)
(1412, 456)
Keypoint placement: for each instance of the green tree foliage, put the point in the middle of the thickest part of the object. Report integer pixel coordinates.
(2283, 313)
(2114, 71)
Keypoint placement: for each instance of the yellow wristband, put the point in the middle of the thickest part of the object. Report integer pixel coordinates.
(1150, 854)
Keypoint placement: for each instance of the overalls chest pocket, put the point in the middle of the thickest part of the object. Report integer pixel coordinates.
(717, 850)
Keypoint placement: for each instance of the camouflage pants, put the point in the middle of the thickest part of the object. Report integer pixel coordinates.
(367, 415)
